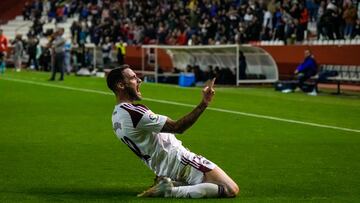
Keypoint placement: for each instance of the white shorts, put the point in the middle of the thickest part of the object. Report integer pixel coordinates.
(194, 168)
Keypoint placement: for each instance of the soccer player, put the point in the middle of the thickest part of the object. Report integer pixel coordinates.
(181, 173)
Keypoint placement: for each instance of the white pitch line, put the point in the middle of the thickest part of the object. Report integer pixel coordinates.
(188, 105)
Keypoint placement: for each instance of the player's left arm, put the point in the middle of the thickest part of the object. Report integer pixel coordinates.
(184, 123)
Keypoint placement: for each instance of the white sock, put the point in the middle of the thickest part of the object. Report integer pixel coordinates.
(196, 191)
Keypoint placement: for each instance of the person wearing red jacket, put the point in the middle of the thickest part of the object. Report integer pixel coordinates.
(3, 50)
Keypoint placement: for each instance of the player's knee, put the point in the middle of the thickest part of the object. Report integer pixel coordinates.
(232, 191)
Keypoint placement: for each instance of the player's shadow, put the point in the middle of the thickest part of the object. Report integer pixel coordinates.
(83, 193)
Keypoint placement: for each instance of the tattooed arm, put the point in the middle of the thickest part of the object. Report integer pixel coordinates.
(188, 120)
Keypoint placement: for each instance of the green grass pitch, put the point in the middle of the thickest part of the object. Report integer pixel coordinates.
(57, 143)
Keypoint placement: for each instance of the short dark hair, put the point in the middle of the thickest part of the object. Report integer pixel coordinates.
(115, 76)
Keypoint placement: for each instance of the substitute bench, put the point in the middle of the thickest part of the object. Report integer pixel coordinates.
(340, 74)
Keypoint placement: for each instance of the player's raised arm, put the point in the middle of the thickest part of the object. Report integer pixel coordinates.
(188, 120)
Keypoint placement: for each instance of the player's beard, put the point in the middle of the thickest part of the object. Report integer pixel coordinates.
(132, 93)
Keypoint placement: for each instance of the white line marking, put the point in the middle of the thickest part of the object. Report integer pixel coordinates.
(188, 105)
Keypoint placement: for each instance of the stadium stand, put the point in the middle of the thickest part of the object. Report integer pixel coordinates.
(204, 22)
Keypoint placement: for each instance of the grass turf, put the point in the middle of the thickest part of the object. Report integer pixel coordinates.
(57, 144)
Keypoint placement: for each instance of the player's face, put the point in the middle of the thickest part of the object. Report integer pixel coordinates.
(132, 84)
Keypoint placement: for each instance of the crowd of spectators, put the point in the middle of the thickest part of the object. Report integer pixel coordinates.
(113, 24)
(194, 22)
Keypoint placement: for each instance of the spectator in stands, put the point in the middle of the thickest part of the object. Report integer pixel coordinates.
(279, 23)
(181, 38)
(319, 20)
(36, 10)
(37, 26)
(330, 22)
(356, 32)
(18, 52)
(52, 10)
(161, 34)
(58, 47)
(312, 6)
(305, 70)
(38, 6)
(267, 25)
(26, 11)
(3, 50)
(303, 22)
(349, 17)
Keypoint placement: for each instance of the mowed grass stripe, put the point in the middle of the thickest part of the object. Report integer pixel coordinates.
(189, 105)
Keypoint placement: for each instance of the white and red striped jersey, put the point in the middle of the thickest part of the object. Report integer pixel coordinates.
(139, 128)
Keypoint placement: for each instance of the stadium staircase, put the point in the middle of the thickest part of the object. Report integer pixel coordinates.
(19, 26)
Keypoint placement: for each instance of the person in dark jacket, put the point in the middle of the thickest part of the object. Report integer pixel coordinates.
(31, 50)
(306, 70)
(242, 66)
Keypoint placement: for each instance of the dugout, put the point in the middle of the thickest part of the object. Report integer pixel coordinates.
(261, 67)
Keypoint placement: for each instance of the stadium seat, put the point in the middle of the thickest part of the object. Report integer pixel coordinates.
(352, 72)
(342, 41)
(322, 42)
(316, 42)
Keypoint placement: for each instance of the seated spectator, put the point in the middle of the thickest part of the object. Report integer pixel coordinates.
(305, 70)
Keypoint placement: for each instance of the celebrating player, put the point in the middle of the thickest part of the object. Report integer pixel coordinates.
(181, 173)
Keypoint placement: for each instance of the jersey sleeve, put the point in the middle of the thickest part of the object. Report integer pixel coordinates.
(152, 122)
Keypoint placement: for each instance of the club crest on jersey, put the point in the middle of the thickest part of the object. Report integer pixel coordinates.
(117, 126)
(153, 117)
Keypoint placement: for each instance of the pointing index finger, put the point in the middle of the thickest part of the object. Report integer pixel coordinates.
(212, 82)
